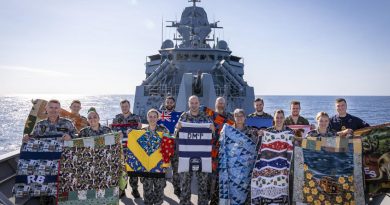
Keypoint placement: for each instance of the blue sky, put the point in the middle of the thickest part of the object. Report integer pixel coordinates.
(88, 47)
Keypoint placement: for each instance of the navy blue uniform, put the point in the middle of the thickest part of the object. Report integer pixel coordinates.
(338, 123)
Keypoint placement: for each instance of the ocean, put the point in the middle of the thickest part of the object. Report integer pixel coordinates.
(15, 109)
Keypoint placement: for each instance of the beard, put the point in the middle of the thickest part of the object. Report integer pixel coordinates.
(169, 107)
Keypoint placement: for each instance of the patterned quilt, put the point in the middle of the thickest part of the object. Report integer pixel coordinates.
(328, 171)
(90, 170)
(219, 121)
(37, 173)
(143, 156)
(270, 176)
(376, 158)
(237, 155)
(194, 147)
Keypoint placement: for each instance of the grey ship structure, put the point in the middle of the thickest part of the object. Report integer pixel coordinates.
(192, 67)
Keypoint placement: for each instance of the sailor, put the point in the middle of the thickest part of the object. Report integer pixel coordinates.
(259, 112)
(220, 105)
(251, 132)
(124, 118)
(278, 127)
(194, 115)
(153, 187)
(322, 130)
(53, 125)
(169, 106)
(75, 108)
(94, 128)
(295, 118)
(343, 123)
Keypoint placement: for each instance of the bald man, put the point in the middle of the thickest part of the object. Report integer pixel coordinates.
(194, 115)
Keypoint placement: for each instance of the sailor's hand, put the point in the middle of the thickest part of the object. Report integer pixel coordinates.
(120, 134)
(178, 125)
(260, 133)
(139, 126)
(26, 138)
(345, 133)
(66, 137)
(212, 127)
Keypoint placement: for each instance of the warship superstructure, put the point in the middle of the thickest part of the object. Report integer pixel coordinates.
(194, 62)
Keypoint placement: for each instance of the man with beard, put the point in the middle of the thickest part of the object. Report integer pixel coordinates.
(259, 112)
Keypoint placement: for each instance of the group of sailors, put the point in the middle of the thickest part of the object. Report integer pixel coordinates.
(342, 124)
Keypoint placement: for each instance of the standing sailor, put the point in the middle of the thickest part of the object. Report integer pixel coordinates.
(343, 123)
(194, 115)
(126, 117)
(53, 125)
(259, 109)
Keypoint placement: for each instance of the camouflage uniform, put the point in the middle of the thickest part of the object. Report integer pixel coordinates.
(154, 187)
(316, 133)
(264, 115)
(62, 126)
(89, 132)
(185, 177)
(301, 121)
(121, 119)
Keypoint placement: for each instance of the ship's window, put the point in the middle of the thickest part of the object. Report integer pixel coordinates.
(186, 56)
(195, 56)
(219, 58)
(212, 57)
(179, 56)
(226, 57)
(202, 57)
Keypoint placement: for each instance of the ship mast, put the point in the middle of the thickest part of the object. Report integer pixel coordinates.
(194, 1)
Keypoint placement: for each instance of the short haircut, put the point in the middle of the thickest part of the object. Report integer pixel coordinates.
(125, 101)
(339, 100)
(155, 111)
(75, 101)
(259, 100)
(295, 102)
(321, 114)
(54, 101)
(170, 98)
(239, 111)
(220, 98)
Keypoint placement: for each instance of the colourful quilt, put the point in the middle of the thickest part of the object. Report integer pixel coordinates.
(270, 176)
(328, 171)
(143, 156)
(259, 122)
(194, 147)
(237, 155)
(90, 170)
(169, 120)
(219, 121)
(376, 158)
(37, 173)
